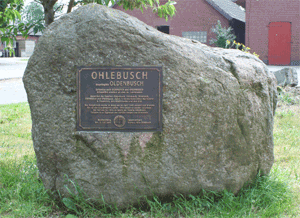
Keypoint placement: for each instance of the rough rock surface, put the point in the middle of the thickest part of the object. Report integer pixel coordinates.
(287, 77)
(218, 108)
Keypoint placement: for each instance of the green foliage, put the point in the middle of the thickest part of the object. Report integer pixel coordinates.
(15, 123)
(12, 112)
(9, 15)
(285, 114)
(222, 35)
(14, 20)
(22, 193)
(75, 200)
(266, 197)
(167, 10)
(286, 98)
(225, 39)
(78, 203)
(9, 11)
(33, 15)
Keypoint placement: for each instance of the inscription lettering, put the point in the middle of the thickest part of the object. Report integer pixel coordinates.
(119, 75)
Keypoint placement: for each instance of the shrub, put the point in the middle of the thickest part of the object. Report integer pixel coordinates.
(223, 35)
(226, 39)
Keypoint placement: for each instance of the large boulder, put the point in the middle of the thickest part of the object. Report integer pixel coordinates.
(218, 108)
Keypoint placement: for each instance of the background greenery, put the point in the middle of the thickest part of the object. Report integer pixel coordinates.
(39, 14)
(22, 193)
(222, 35)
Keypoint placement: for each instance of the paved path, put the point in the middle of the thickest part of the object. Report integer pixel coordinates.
(11, 85)
(12, 88)
(12, 91)
(12, 67)
(12, 71)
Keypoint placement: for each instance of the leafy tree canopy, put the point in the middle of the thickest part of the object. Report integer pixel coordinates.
(167, 10)
(9, 14)
(34, 13)
(39, 14)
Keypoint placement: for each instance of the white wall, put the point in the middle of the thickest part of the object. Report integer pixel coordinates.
(29, 48)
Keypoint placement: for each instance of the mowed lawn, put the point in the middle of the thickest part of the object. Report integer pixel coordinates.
(22, 193)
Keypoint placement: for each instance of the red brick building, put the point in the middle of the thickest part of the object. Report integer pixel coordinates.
(195, 18)
(272, 30)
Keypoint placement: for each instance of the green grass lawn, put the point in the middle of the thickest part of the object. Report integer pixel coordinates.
(22, 193)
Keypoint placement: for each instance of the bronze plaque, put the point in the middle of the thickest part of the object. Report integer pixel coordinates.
(119, 99)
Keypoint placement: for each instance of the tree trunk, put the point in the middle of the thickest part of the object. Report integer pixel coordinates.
(70, 6)
(48, 11)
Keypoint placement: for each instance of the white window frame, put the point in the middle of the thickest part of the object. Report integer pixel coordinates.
(200, 36)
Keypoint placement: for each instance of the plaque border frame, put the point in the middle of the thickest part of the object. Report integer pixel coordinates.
(100, 129)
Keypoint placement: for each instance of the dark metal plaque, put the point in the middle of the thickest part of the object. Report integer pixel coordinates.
(119, 99)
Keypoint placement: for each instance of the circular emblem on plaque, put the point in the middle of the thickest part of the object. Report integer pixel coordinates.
(119, 121)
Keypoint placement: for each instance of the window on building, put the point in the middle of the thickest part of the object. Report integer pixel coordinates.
(201, 36)
(164, 29)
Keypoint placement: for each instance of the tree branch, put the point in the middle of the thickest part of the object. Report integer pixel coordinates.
(58, 8)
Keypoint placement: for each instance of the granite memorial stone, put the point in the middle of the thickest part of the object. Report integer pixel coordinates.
(217, 112)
